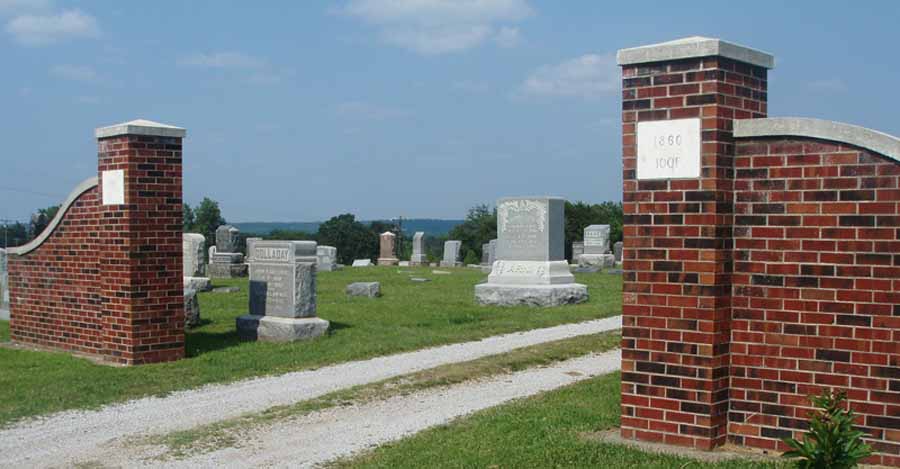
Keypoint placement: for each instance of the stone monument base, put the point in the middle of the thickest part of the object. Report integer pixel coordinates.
(418, 260)
(226, 270)
(450, 264)
(530, 295)
(388, 261)
(277, 329)
(198, 283)
(600, 260)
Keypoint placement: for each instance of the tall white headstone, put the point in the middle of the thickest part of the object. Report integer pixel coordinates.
(451, 253)
(418, 254)
(531, 268)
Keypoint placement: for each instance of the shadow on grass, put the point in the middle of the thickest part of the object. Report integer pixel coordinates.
(198, 343)
(336, 326)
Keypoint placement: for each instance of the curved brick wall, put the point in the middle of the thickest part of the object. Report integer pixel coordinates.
(55, 289)
(816, 288)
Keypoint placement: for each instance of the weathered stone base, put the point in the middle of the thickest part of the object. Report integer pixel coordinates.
(530, 295)
(197, 283)
(418, 259)
(226, 270)
(388, 261)
(191, 308)
(451, 264)
(600, 260)
(276, 329)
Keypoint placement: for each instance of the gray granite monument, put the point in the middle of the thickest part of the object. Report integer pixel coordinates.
(418, 253)
(596, 247)
(451, 254)
(282, 293)
(530, 268)
(617, 251)
(326, 258)
(485, 253)
(388, 253)
(577, 251)
(224, 262)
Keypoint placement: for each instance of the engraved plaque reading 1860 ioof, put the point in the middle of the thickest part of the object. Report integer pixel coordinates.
(668, 149)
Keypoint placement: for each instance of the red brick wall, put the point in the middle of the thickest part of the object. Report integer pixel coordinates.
(108, 280)
(141, 257)
(678, 253)
(816, 289)
(55, 290)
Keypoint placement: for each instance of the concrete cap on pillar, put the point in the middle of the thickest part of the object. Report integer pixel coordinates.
(140, 127)
(693, 47)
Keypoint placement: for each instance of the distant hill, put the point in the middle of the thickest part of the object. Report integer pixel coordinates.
(428, 225)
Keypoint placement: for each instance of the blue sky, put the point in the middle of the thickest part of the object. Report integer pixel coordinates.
(297, 111)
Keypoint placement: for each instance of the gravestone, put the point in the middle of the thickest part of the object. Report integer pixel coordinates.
(531, 268)
(577, 251)
(596, 247)
(191, 308)
(282, 293)
(418, 254)
(194, 251)
(4, 286)
(451, 253)
(327, 258)
(617, 251)
(362, 263)
(225, 262)
(387, 254)
(367, 289)
(485, 253)
(492, 256)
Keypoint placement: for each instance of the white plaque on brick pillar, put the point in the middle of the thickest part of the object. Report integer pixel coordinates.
(668, 149)
(114, 187)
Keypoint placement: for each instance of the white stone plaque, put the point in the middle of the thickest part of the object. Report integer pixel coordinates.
(114, 187)
(668, 149)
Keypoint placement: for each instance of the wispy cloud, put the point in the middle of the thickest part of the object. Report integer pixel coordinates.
(44, 29)
(82, 73)
(367, 111)
(222, 60)
(432, 27)
(829, 85)
(588, 76)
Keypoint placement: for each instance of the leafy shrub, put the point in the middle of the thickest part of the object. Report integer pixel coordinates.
(831, 441)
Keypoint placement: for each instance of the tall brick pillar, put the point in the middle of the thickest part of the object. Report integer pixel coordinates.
(679, 102)
(141, 247)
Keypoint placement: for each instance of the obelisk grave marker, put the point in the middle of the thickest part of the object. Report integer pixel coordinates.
(531, 267)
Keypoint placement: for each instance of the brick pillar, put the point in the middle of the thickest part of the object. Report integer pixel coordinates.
(679, 101)
(141, 247)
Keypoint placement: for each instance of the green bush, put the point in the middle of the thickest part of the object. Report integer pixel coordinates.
(471, 258)
(831, 441)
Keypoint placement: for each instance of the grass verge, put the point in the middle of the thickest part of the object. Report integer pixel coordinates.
(410, 316)
(228, 433)
(553, 429)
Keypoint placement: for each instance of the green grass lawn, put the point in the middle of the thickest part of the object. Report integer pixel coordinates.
(554, 429)
(409, 316)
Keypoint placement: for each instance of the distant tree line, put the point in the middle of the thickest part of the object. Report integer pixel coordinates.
(356, 240)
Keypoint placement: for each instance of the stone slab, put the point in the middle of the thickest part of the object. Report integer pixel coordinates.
(191, 308)
(418, 253)
(530, 273)
(194, 252)
(403, 263)
(226, 290)
(367, 289)
(600, 260)
(388, 261)
(596, 239)
(419, 279)
(694, 46)
(530, 295)
(227, 270)
(275, 329)
(198, 283)
(362, 263)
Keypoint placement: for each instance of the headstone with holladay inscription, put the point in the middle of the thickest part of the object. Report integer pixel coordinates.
(418, 254)
(531, 268)
(451, 254)
(282, 293)
(596, 247)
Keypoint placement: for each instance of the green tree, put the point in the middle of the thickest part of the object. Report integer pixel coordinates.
(289, 235)
(40, 220)
(208, 217)
(13, 235)
(187, 215)
(479, 228)
(352, 239)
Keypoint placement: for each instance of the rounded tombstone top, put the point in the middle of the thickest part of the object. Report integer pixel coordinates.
(388, 233)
